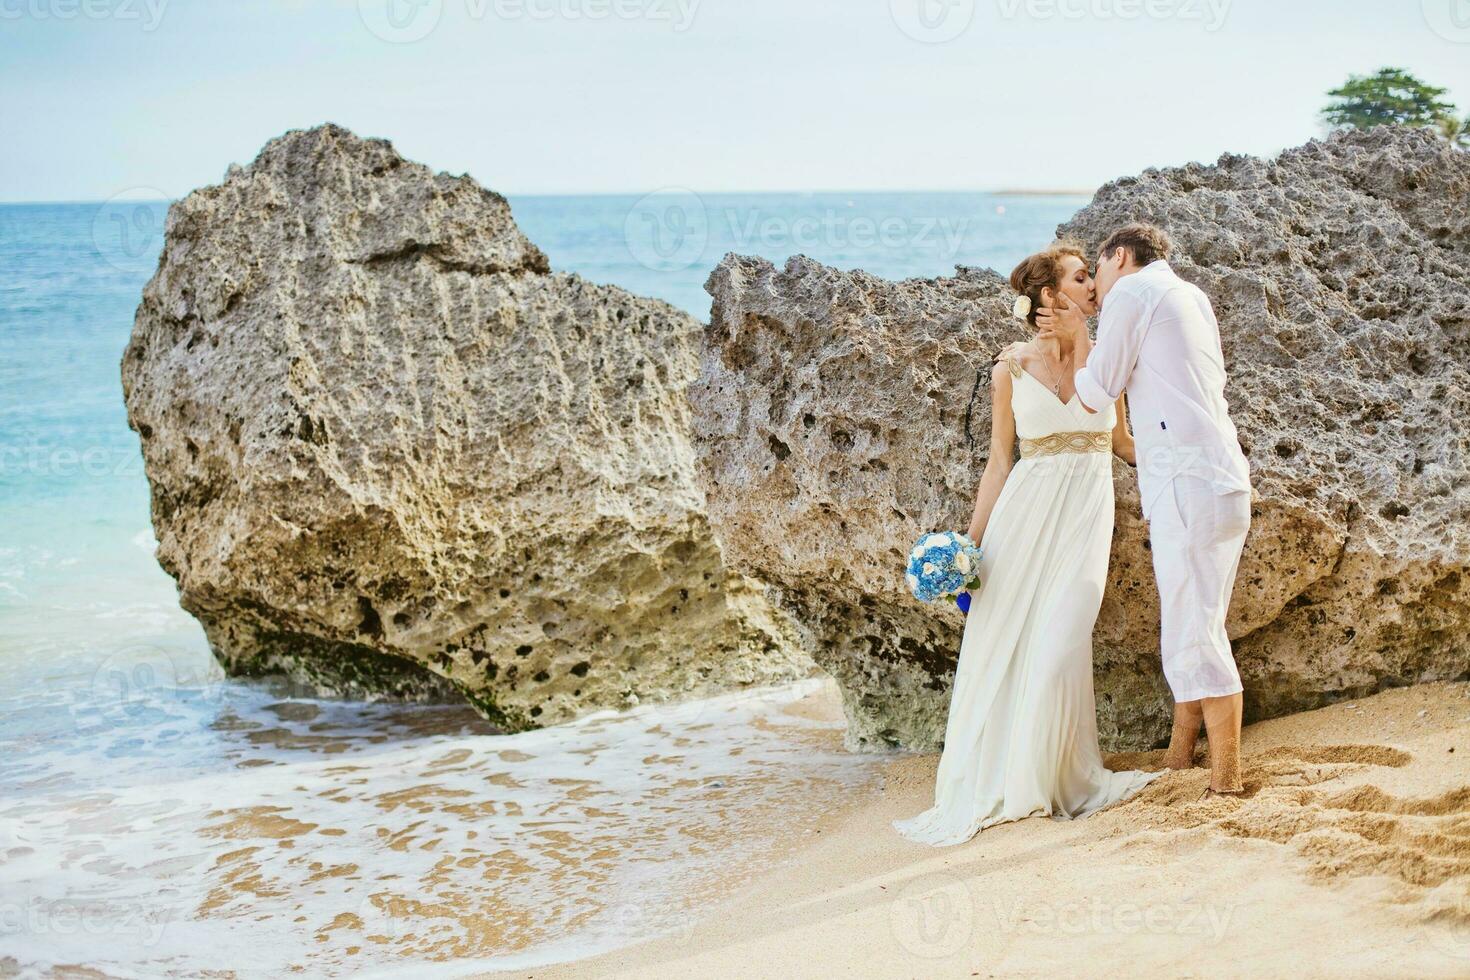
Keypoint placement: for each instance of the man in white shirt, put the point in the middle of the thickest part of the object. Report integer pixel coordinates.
(1157, 337)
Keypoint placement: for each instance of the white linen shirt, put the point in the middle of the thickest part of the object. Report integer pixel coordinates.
(1157, 337)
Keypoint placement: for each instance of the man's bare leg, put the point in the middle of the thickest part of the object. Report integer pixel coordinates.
(1188, 716)
(1222, 724)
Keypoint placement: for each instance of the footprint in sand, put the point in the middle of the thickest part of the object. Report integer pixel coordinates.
(1421, 842)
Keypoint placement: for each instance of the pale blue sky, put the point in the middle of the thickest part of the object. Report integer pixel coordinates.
(102, 96)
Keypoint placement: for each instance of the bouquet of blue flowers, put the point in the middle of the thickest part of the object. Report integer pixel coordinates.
(945, 563)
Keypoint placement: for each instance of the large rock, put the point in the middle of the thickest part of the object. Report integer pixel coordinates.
(839, 415)
(1340, 272)
(391, 454)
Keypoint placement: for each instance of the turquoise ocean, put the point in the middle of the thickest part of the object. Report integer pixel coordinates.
(149, 806)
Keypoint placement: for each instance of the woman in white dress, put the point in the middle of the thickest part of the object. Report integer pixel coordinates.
(1021, 739)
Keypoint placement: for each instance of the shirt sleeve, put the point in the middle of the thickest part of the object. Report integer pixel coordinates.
(1120, 332)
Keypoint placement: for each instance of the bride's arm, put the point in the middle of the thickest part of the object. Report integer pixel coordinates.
(1002, 449)
(1123, 446)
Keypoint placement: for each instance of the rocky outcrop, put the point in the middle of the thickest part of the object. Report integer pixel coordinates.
(1340, 272)
(839, 415)
(392, 454)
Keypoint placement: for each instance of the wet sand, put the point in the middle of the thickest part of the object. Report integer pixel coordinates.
(1348, 856)
(242, 836)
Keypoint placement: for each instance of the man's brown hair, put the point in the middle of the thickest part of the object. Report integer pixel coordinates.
(1144, 242)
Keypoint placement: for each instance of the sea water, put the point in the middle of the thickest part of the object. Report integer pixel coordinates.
(158, 818)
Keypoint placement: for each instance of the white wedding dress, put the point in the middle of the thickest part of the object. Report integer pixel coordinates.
(1021, 739)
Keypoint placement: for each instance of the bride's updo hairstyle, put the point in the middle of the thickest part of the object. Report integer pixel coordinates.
(1042, 270)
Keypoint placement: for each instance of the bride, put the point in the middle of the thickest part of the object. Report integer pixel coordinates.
(1021, 739)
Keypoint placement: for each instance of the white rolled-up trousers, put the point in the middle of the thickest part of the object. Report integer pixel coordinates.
(1197, 532)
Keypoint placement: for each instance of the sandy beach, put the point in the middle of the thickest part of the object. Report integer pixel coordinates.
(1349, 856)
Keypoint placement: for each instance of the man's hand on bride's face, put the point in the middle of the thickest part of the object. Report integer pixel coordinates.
(1066, 318)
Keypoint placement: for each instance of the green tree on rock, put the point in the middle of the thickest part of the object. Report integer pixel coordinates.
(1392, 97)
(1457, 131)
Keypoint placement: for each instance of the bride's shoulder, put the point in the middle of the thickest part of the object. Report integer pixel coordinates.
(1011, 357)
(1004, 372)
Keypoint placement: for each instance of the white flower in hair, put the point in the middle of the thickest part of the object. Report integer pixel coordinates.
(1022, 309)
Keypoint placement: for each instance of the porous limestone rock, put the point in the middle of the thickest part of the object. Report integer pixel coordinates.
(1340, 273)
(838, 416)
(392, 454)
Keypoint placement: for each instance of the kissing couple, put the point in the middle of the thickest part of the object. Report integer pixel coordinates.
(1021, 739)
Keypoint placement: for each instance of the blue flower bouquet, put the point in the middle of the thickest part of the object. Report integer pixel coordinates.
(945, 563)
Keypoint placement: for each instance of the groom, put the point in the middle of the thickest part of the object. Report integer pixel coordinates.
(1158, 338)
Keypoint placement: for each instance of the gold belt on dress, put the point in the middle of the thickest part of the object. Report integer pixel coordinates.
(1067, 442)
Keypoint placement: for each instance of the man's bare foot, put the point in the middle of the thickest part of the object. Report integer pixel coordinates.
(1222, 722)
(1187, 720)
(1178, 756)
(1225, 766)
(1226, 782)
